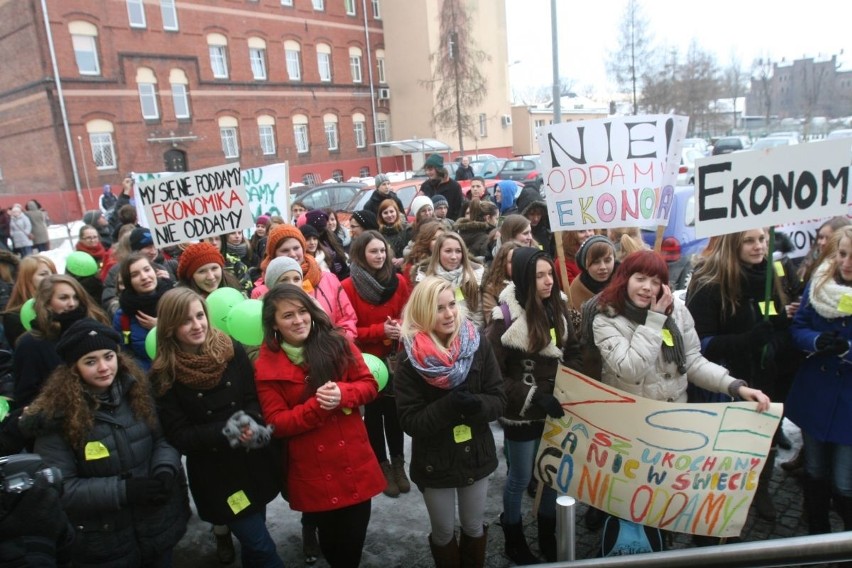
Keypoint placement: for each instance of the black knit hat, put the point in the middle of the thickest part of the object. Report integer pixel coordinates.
(85, 336)
(523, 264)
(367, 220)
(583, 251)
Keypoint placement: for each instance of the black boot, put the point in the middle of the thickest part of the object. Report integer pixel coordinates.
(516, 544)
(547, 537)
(817, 503)
(762, 498)
(845, 506)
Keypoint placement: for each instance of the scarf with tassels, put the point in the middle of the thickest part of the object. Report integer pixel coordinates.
(443, 368)
(203, 371)
(675, 353)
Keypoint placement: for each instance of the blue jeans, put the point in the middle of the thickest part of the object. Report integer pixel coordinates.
(825, 461)
(256, 545)
(521, 457)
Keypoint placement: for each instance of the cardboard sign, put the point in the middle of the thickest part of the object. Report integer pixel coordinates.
(613, 172)
(191, 206)
(690, 468)
(761, 188)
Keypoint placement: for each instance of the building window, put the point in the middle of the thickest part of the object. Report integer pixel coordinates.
(180, 100)
(324, 62)
(483, 125)
(331, 138)
(148, 99)
(169, 12)
(365, 172)
(103, 151)
(350, 7)
(382, 129)
(291, 53)
(380, 65)
(300, 133)
(311, 179)
(355, 64)
(86, 54)
(286, 2)
(360, 134)
(257, 57)
(229, 142)
(377, 12)
(218, 46)
(267, 139)
(318, 4)
(136, 13)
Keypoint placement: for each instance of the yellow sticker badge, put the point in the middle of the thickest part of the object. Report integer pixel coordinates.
(845, 304)
(238, 501)
(771, 308)
(779, 268)
(553, 335)
(462, 433)
(95, 451)
(459, 295)
(667, 338)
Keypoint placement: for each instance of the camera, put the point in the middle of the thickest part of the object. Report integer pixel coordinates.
(19, 472)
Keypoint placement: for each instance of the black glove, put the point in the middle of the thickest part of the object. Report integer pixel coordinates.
(549, 403)
(167, 479)
(831, 343)
(464, 402)
(143, 491)
(759, 335)
(37, 512)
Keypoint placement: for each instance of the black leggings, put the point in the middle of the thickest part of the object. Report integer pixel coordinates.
(382, 424)
(342, 533)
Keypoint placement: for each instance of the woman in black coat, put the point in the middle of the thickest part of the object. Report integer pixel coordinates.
(202, 377)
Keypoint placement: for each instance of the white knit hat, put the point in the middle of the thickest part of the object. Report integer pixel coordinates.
(419, 203)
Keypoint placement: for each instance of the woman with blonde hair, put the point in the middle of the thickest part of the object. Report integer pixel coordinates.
(451, 262)
(448, 391)
(626, 241)
(31, 271)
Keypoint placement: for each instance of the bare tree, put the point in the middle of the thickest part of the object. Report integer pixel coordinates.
(734, 83)
(456, 72)
(761, 76)
(629, 63)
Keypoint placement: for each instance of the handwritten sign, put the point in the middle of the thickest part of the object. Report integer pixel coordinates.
(749, 190)
(802, 235)
(195, 205)
(614, 172)
(690, 468)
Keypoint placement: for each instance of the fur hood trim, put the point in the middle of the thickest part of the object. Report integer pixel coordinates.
(517, 334)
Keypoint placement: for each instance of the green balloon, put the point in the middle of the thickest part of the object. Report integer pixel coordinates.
(220, 302)
(151, 343)
(28, 314)
(81, 264)
(245, 322)
(4, 408)
(378, 368)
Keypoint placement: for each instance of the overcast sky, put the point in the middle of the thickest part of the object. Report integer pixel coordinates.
(588, 31)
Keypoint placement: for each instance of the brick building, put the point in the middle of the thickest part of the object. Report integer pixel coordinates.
(160, 85)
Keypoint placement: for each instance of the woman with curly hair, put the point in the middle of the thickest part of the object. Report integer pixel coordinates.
(392, 226)
(421, 249)
(95, 420)
(498, 275)
(31, 271)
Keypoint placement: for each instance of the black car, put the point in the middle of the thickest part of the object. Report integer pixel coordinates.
(524, 170)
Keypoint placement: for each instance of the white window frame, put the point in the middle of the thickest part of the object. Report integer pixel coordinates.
(380, 68)
(148, 101)
(382, 130)
(286, 2)
(103, 150)
(350, 7)
(319, 5)
(218, 61)
(170, 16)
(301, 138)
(360, 130)
(294, 66)
(230, 142)
(331, 137)
(180, 100)
(483, 125)
(267, 139)
(77, 43)
(324, 66)
(355, 68)
(377, 10)
(257, 58)
(136, 9)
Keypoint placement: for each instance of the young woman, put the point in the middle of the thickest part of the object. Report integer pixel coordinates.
(138, 301)
(498, 275)
(310, 381)
(516, 228)
(450, 261)
(571, 241)
(596, 261)
(95, 420)
(236, 245)
(530, 334)
(824, 234)
(819, 400)
(89, 241)
(31, 271)
(392, 226)
(726, 300)
(238, 272)
(478, 228)
(378, 294)
(423, 211)
(283, 270)
(201, 268)
(201, 377)
(448, 390)
(258, 239)
(361, 221)
(338, 230)
(335, 260)
(421, 248)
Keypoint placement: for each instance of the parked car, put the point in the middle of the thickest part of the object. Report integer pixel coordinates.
(772, 142)
(476, 157)
(451, 168)
(333, 195)
(487, 169)
(679, 244)
(840, 133)
(523, 170)
(729, 144)
(699, 144)
(406, 191)
(686, 171)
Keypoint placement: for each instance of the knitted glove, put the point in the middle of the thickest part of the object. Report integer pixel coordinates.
(549, 404)
(831, 343)
(261, 435)
(464, 402)
(143, 491)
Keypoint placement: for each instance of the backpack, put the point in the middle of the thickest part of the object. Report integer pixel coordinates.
(623, 538)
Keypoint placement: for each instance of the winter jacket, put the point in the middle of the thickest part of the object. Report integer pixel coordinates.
(376, 199)
(134, 336)
(21, 229)
(39, 221)
(820, 400)
(442, 455)
(35, 359)
(111, 532)
(449, 189)
(192, 422)
(540, 232)
(397, 239)
(633, 361)
(476, 236)
(371, 317)
(331, 464)
(525, 372)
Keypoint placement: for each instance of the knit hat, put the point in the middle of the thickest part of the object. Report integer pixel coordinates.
(140, 237)
(583, 252)
(278, 267)
(91, 217)
(419, 203)
(84, 336)
(523, 268)
(380, 179)
(367, 220)
(195, 256)
(308, 231)
(440, 201)
(280, 234)
(434, 160)
(262, 220)
(317, 219)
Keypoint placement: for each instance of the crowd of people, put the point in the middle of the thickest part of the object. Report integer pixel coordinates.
(465, 306)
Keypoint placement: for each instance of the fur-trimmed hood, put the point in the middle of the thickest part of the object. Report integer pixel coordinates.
(517, 333)
(465, 225)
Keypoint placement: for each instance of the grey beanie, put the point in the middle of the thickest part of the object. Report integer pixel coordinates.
(277, 268)
(380, 179)
(583, 252)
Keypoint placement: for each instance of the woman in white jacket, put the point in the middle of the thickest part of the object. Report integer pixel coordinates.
(647, 338)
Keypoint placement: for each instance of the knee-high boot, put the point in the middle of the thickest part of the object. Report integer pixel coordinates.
(762, 497)
(817, 503)
(547, 537)
(446, 556)
(472, 549)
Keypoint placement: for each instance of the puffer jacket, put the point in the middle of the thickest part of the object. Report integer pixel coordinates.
(633, 362)
(111, 533)
(476, 236)
(438, 458)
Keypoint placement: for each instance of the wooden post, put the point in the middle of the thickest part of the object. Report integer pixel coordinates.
(563, 271)
(658, 240)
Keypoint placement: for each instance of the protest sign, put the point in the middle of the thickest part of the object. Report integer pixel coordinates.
(762, 188)
(802, 234)
(690, 468)
(191, 206)
(613, 172)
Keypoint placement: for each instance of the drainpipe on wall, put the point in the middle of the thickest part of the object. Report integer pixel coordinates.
(61, 97)
(372, 86)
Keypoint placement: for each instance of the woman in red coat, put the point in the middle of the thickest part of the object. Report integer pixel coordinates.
(310, 382)
(378, 294)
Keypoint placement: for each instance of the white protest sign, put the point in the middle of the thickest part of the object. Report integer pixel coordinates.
(762, 188)
(690, 468)
(190, 206)
(802, 234)
(611, 173)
